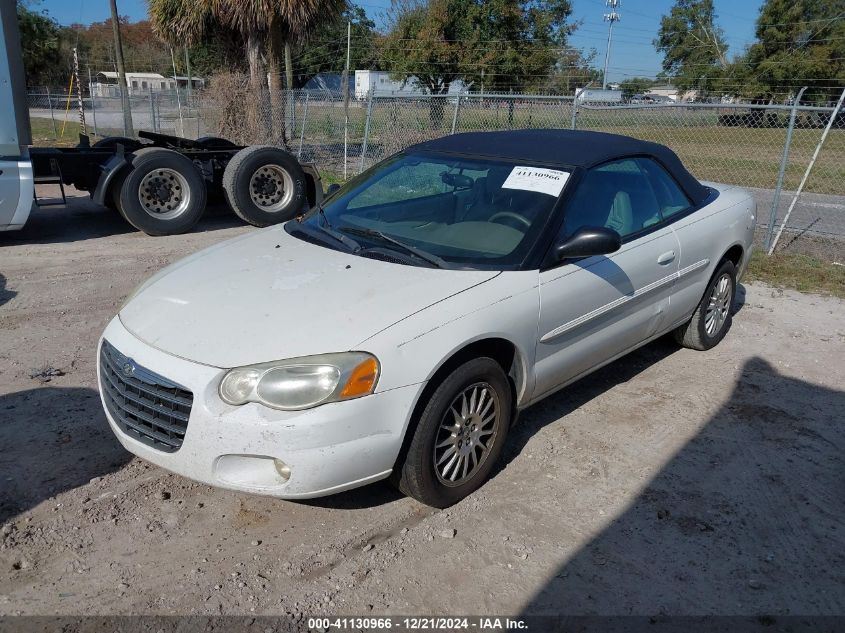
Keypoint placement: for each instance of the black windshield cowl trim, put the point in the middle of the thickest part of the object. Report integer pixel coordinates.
(320, 233)
(326, 227)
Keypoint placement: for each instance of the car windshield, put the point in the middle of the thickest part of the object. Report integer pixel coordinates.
(442, 210)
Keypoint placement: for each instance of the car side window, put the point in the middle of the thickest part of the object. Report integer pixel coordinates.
(617, 195)
(670, 196)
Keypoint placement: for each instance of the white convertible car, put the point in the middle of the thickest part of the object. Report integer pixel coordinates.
(398, 330)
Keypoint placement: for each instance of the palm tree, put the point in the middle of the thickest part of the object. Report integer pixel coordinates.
(269, 28)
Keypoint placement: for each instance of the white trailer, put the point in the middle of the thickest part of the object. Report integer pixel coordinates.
(597, 95)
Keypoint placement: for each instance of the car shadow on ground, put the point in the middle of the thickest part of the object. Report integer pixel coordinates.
(83, 220)
(578, 394)
(739, 298)
(371, 496)
(748, 518)
(6, 295)
(54, 439)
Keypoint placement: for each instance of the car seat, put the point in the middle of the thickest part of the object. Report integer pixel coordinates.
(621, 216)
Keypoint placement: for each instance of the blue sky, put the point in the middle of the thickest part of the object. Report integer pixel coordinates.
(632, 53)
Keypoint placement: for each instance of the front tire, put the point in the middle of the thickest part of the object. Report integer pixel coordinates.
(264, 185)
(713, 317)
(460, 435)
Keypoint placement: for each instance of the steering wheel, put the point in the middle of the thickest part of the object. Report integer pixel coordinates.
(510, 215)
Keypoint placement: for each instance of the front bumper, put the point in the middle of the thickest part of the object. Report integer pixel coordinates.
(328, 449)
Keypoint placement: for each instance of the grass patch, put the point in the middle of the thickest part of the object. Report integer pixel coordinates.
(800, 272)
(44, 135)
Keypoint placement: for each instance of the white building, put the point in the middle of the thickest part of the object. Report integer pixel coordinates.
(106, 84)
(379, 82)
(673, 93)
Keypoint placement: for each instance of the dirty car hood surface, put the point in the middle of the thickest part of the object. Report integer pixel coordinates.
(270, 296)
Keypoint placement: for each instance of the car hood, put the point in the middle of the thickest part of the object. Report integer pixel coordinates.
(270, 296)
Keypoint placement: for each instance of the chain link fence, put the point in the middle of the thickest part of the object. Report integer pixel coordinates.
(55, 120)
(745, 145)
(728, 143)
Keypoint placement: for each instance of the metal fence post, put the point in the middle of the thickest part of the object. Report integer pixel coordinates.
(366, 130)
(455, 113)
(152, 110)
(574, 124)
(807, 173)
(93, 105)
(302, 133)
(510, 110)
(783, 163)
(52, 118)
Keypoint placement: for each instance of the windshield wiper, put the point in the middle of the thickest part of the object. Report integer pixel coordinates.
(373, 233)
(326, 227)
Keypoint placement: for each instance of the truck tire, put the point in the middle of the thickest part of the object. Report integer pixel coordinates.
(112, 199)
(264, 185)
(163, 193)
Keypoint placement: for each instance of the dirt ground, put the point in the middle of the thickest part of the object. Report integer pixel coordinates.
(670, 482)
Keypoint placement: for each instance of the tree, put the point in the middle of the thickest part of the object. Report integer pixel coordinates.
(635, 86)
(325, 52)
(41, 39)
(693, 46)
(502, 44)
(507, 44)
(268, 28)
(799, 43)
(574, 69)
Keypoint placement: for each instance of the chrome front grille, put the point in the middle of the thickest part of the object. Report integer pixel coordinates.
(147, 407)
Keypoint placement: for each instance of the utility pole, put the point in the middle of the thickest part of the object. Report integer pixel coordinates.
(121, 72)
(611, 16)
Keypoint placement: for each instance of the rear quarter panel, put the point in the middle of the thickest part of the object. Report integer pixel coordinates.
(705, 237)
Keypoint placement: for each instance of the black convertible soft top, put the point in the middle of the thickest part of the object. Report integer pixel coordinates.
(566, 148)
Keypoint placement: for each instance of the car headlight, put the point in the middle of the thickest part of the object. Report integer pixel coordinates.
(302, 383)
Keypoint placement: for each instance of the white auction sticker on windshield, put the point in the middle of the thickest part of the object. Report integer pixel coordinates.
(549, 181)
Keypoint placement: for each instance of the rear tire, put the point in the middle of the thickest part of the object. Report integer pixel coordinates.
(465, 421)
(112, 199)
(713, 317)
(163, 193)
(264, 185)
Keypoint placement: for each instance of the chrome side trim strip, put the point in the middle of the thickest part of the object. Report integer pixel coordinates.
(623, 300)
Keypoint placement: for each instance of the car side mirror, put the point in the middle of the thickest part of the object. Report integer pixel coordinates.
(588, 241)
(332, 188)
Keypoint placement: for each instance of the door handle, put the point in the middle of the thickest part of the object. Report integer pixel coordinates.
(666, 257)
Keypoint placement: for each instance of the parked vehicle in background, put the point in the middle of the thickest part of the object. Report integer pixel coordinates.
(397, 330)
(158, 183)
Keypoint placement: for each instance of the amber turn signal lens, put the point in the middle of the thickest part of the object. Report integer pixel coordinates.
(362, 380)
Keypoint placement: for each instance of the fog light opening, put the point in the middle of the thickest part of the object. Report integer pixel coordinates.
(282, 468)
